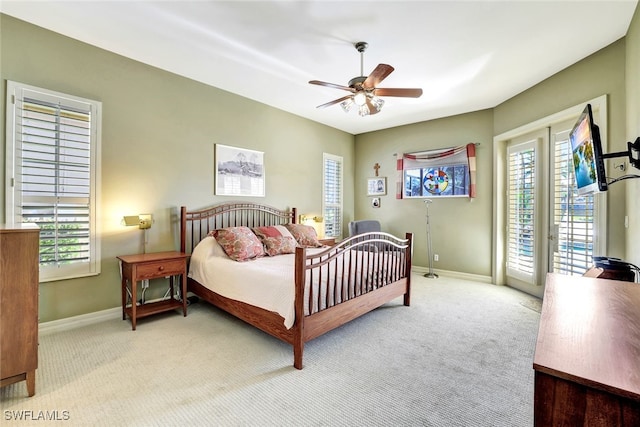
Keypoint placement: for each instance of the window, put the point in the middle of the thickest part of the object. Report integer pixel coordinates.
(53, 146)
(439, 173)
(452, 180)
(332, 195)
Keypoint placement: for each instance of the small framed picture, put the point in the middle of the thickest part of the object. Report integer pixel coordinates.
(377, 186)
(375, 202)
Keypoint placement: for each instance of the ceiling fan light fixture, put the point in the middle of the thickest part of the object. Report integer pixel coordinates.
(377, 102)
(347, 105)
(360, 98)
(363, 110)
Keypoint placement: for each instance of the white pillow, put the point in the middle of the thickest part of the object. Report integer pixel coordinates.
(209, 247)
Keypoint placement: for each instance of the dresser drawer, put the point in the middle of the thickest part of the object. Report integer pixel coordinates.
(160, 269)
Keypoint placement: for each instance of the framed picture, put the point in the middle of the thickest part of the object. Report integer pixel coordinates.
(238, 172)
(377, 186)
(375, 202)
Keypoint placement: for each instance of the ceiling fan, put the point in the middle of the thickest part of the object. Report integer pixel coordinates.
(365, 93)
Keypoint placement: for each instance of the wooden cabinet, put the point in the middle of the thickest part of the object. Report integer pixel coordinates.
(152, 266)
(587, 356)
(19, 247)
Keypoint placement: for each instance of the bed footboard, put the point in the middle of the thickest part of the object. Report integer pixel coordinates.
(342, 283)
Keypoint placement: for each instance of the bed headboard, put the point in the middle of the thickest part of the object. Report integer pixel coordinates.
(195, 225)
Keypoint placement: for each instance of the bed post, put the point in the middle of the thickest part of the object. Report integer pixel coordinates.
(407, 295)
(298, 327)
(183, 228)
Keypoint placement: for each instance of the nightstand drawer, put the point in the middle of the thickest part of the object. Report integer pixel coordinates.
(160, 269)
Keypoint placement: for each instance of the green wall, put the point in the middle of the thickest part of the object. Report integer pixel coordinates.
(462, 230)
(599, 74)
(633, 132)
(460, 227)
(158, 136)
(159, 131)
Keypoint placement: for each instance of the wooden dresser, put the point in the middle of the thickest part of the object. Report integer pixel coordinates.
(19, 248)
(587, 358)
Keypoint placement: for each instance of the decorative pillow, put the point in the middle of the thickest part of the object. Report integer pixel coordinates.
(239, 243)
(272, 231)
(276, 240)
(305, 235)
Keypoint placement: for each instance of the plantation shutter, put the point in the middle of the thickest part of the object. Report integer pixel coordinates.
(521, 201)
(54, 170)
(332, 197)
(573, 217)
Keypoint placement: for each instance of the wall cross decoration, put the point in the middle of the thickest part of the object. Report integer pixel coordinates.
(376, 167)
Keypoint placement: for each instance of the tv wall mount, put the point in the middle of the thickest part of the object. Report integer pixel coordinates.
(633, 153)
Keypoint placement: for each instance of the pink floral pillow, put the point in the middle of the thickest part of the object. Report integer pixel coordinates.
(239, 243)
(276, 240)
(305, 235)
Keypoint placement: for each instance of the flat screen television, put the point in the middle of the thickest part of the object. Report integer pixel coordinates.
(588, 161)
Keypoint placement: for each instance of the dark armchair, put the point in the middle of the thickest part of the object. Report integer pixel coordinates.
(366, 226)
(363, 226)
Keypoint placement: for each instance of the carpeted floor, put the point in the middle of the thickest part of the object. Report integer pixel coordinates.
(461, 355)
(533, 303)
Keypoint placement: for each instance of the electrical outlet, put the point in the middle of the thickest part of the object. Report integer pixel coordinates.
(145, 284)
(622, 166)
(436, 257)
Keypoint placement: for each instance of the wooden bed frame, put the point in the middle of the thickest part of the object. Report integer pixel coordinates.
(392, 278)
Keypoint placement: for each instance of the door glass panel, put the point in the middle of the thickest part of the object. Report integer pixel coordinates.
(521, 201)
(572, 235)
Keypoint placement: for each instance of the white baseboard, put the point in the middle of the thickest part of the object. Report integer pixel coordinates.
(453, 274)
(73, 322)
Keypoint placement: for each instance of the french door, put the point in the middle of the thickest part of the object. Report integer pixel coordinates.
(550, 228)
(524, 201)
(540, 223)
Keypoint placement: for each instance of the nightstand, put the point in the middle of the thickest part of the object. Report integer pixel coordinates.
(329, 241)
(152, 266)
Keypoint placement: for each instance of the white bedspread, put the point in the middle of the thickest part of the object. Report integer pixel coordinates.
(266, 282)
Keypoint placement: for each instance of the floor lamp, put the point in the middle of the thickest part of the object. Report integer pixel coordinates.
(430, 274)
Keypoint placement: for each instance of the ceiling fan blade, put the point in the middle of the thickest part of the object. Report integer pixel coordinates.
(335, 101)
(405, 93)
(333, 85)
(379, 74)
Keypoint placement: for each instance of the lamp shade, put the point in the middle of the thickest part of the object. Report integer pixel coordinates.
(143, 221)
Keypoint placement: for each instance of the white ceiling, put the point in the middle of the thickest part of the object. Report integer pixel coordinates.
(465, 55)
